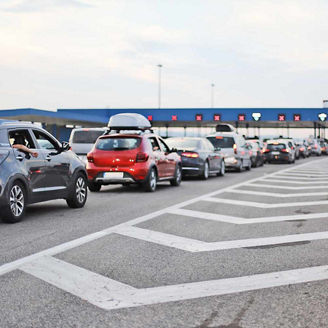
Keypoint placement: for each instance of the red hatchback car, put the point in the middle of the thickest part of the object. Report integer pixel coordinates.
(132, 157)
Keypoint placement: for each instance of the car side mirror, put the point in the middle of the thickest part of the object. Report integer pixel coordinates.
(65, 146)
(173, 150)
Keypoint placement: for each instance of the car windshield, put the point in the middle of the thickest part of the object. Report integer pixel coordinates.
(118, 143)
(221, 142)
(182, 143)
(276, 146)
(86, 136)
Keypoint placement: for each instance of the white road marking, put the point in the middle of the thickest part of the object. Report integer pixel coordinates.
(110, 294)
(298, 178)
(272, 179)
(240, 220)
(90, 286)
(251, 184)
(309, 171)
(105, 293)
(272, 194)
(7, 267)
(301, 175)
(193, 245)
(263, 205)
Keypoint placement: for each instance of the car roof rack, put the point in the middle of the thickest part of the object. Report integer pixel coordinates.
(128, 122)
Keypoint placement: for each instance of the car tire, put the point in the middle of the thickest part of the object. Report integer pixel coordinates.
(14, 210)
(177, 177)
(222, 170)
(151, 181)
(248, 168)
(94, 187)
(78, 192)
(206, 171)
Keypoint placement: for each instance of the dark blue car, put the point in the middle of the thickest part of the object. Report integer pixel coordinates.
(35, 167)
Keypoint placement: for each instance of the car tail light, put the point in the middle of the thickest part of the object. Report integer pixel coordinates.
(235, 148)
(190, 154)
(285, 150)
(323, 148)
(266, 150)
(309, 147)
(142, 157)
(315, 147)
(302, 149)
(90, 158)
(250, 153)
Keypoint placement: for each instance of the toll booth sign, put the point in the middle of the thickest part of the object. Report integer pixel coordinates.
(281, 117)
(174, 117)
(217, 117)
(322, 116)
(241, 117)
(199, 117)
(256, 116)
(150, 117)
(297, 117)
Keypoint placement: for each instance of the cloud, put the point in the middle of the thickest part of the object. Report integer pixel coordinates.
(40, 5)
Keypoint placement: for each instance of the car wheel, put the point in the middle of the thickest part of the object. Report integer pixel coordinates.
(222, 170)
(205, 173)
(78, 193)
(177, 177)
(14, 210)
(93, 186)
(151, 181)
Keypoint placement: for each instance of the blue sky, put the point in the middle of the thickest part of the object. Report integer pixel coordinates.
(103, 53)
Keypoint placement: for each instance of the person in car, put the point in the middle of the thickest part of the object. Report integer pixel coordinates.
(19, 144)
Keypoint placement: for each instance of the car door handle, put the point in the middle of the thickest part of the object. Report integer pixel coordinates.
(48, 158)
(20, 157)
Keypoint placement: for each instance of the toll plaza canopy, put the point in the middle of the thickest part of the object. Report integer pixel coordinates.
(178, 117)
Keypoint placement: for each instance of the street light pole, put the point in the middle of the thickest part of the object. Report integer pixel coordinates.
(212, 95)
(159, 85)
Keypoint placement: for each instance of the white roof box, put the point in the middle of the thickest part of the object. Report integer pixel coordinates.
(128, 121)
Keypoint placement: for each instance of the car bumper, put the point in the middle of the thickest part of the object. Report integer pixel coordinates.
(277, 158)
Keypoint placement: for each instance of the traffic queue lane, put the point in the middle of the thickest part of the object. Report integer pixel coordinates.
(227, 256)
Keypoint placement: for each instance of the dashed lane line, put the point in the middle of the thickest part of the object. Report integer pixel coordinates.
(108, 294)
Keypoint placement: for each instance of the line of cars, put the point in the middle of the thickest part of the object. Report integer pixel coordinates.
(126, 152)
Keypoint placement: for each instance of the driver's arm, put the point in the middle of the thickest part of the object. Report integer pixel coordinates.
(26, 150)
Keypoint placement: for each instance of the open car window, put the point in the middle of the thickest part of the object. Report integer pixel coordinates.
(44, 141)
(21, 137)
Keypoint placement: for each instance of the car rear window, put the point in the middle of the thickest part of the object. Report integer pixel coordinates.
(183, 143)
(222, 142)
(86, 136)
(276, 146)
(118, 143)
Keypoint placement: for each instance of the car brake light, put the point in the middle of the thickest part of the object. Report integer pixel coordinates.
(235, 148)
(142, 157)
(301, 149)
(90, 158)
(315, 147)
(266, 150)
(190, 154)
(285, 150)
(309, 147)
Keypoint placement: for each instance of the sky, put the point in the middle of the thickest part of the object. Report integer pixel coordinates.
(104, 53)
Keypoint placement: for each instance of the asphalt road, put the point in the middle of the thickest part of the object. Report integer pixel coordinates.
(244, 250)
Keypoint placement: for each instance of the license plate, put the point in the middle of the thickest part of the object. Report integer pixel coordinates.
(113, 175)
(275, 153)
